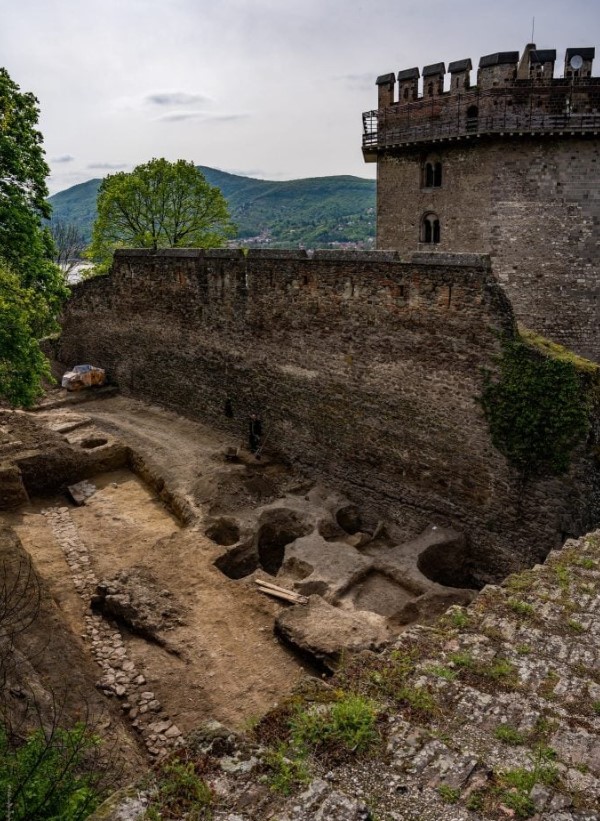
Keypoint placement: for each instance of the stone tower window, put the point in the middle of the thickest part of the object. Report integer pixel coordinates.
(430, 229)
(430, 88)
(472, 118)
(432, 174)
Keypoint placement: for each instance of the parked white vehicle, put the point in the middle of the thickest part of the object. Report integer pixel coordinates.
(83, 376)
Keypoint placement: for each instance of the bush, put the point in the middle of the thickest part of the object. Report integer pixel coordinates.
(45, 777)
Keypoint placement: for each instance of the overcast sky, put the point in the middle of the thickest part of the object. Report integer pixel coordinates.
(267, 88)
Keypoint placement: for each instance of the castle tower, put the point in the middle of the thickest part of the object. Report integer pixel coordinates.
(510, 167)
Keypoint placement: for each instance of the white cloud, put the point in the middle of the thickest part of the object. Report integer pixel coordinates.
(179, 116)
(176, 98)
(108, 166)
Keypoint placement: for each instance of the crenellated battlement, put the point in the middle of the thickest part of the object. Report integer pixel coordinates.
(514, 95)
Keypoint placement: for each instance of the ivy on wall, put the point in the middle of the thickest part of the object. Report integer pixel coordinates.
(537, 407)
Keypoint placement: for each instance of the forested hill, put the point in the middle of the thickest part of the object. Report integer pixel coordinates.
(312, 213)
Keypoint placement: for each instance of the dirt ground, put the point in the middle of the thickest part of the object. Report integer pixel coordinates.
(222, 662)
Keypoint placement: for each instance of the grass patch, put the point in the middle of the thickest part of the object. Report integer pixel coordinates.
(498, 669)
(576, 626)
(520, 802)
(563, 576)
(521, 608)
(509, 735)
(449, 794)
(515, 785)
(520, 582)
(385, 677)
(546, 688)
(585, 562)
(349, 723)
(475, 801)
(459, 618)
(420, 701)
(523, 649)
(442, 672)
(181, 793)
(544, 727)
(462, 660)
(288, 769)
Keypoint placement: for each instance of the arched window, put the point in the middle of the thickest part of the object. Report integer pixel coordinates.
(430, 229)
(432, 173)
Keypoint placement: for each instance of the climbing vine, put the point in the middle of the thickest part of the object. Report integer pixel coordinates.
(536, 407)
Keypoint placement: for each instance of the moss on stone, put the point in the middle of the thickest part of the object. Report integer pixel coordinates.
(537, 406)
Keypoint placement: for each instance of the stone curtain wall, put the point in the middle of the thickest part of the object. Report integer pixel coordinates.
(528, 202)
(365, 370)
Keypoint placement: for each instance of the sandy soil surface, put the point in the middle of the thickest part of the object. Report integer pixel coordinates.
(222, 661)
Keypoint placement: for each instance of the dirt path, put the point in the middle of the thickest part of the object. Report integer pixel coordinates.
(223, 661)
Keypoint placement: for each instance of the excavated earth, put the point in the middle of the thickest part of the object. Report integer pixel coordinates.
(150, 536)
(151, 561)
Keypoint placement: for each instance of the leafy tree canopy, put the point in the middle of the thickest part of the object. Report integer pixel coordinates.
(158, 205)
(24, 244)
(22, 363)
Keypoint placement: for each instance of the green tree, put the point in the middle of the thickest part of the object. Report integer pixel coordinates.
(158, 205)
(25, 244)
(22, 363)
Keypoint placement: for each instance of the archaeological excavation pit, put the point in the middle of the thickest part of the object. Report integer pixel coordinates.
(342, 588)
(183, 603)
(156, 597)
(93, 442)
(263, 549)
(379, 594)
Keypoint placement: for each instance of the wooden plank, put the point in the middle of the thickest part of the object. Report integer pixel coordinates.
(273, 586)
(280, 592)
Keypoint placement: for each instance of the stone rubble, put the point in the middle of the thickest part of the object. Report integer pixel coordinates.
(119, 678)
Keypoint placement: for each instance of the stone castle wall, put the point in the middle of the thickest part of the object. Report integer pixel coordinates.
(529, 203)
(364, 369)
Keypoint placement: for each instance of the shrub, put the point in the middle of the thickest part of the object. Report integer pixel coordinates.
(45, 778)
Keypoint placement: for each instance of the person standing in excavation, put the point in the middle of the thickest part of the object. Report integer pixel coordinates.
(255, 433)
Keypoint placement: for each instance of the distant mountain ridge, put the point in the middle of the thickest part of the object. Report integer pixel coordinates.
(316, 212)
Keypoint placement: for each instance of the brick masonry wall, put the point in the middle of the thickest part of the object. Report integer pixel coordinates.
(364, 369)
(531, 204)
